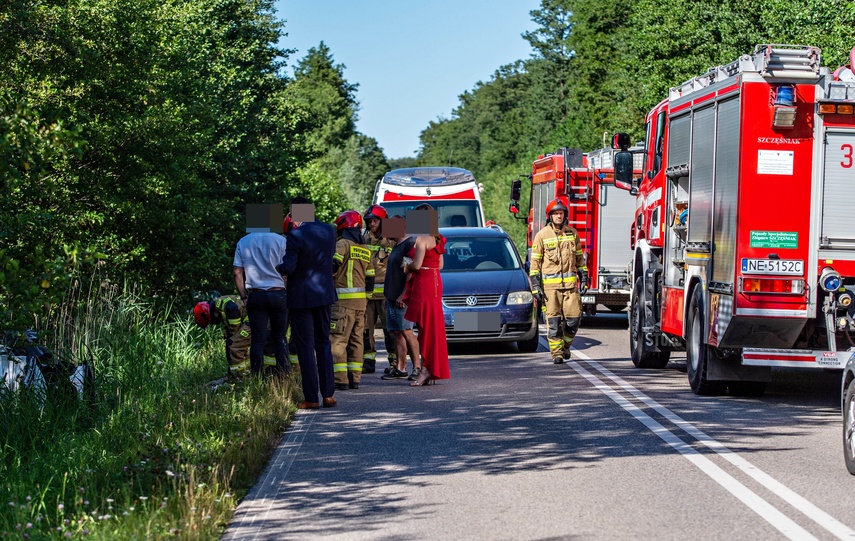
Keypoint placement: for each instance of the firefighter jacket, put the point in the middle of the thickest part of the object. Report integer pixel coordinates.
(232, 312)
(380, 249)
(556, 256)
(354, 277)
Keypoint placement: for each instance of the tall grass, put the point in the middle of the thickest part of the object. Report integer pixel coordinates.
(154, 452)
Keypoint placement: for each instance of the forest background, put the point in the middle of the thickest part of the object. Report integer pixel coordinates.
(133, 133)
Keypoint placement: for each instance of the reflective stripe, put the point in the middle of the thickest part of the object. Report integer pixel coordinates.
(244, 333)
(293, 358)
(378, 288)
(338, 257)
(342, 367)
(350, 273)
(370, 356)
(559, 279)
(341, 290)
(568, 339)
(269, 361)
(239, 367)
(234, 321)
(556, 343)
(534, 272)
(369, 272)
(536, 255)
(354, 366)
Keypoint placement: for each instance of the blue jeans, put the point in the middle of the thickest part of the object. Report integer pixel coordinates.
(263, 307)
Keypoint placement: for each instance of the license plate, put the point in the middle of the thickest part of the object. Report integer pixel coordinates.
(589, 299)
(794, 267)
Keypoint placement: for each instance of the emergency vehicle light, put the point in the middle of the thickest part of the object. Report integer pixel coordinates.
(786, 96)
(829, 279)
(785, 117)
(780, 286)
(839, 108)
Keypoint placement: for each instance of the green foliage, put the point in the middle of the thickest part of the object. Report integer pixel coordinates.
(153, 452)
(598, 66)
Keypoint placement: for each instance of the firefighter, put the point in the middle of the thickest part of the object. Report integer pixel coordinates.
(556, 259)
(236, 332)
(380, 248)
(354, 282)
(231, 312)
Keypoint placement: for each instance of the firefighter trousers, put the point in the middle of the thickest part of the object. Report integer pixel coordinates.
(374, 310)
(563, 315)
(346, 329)
(237, 350)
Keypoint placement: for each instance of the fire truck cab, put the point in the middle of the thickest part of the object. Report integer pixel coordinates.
(597, 210)
(744, 232)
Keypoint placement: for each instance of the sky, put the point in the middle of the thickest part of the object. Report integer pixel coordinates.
(411, 58)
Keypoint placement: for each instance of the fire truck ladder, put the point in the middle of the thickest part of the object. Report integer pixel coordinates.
(772, 61)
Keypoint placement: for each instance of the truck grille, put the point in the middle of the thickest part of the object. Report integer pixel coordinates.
(460, 301)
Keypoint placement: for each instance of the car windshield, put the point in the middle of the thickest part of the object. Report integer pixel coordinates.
(479, 253)
(449, 213)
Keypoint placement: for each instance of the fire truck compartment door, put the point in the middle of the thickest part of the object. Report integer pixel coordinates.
(838, 197)
(616, 213)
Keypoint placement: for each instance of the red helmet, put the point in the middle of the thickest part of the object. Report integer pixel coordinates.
(375, 211)
(348, 219)
(202, 313)
(556, 204)
(287, 224)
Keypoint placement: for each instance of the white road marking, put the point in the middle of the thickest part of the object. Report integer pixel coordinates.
(777, 519)
(838, 529)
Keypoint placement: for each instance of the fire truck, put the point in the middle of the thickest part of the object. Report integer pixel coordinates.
(744, 234)
(597, 210)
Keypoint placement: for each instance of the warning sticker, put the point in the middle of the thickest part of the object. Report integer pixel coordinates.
(775, 162)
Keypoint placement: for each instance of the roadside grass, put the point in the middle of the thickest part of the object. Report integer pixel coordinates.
(153, 452)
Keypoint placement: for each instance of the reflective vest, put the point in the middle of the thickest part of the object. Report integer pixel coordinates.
(556, 256)
(380, 249)
(353, 273)
(221, 306)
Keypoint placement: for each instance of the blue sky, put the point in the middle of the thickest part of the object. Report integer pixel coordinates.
(411, 58)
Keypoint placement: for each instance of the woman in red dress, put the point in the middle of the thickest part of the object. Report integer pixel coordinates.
(424, 307)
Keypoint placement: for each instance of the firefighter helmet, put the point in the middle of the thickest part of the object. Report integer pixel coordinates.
(348, 219)
(375, 211)
(556, 204)
(202, 313)
(287, 224)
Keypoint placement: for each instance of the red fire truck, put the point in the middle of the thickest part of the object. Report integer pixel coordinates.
(598, 211)
(744, 235)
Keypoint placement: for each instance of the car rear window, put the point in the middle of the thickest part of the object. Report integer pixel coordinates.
(480, 253)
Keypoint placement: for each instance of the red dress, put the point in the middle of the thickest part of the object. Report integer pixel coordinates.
(424, 308)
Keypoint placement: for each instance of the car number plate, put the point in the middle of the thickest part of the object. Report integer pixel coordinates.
(789, 267)
(589, 299)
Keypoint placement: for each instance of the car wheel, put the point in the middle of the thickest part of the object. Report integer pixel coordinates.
(849, 427)
(530, 345)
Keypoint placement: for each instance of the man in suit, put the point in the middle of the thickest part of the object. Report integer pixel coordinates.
(308, 263)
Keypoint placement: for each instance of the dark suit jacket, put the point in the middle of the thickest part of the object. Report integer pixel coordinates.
(308, 263)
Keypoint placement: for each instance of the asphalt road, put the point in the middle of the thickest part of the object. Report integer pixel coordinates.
(514, 447)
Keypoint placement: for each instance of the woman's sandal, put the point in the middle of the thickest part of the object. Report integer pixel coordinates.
(425, 378)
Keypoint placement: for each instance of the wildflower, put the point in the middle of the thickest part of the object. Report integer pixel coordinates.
(39, 518)
(68, 535)
(85, 532)
(193, 508)
(85, 502)
(110, 500)
(60, 507)
(82, 489)
(29, 525)
(29, 499)
(207, 517)
(125, 513)
(26, 536)
(143, 498)
(11, 504)
(131, 508)
(18, 526)
(66, 522)
(159, 363)
(227, 495)
(169, 473)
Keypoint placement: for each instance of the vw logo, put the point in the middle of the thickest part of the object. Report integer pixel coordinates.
(471, 300)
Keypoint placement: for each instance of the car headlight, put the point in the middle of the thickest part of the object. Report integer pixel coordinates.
(520, 297)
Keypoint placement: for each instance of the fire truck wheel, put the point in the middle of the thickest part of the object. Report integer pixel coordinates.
(849, 428)
(640, 352)
(698, 352)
